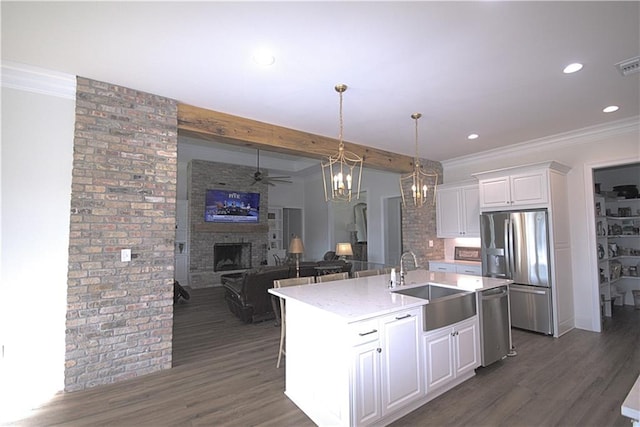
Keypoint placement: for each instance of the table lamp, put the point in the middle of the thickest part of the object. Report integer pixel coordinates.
(343, 250)
(296, 247)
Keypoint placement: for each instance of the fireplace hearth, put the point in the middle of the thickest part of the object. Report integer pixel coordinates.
(231, 256)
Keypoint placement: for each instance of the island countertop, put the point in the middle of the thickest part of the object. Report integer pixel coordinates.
(365, 297)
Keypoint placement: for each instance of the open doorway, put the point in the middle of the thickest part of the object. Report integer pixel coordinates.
(392, 230)
(617, 229)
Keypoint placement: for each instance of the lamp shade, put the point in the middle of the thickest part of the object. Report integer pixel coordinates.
(296, 246)
(344, 249)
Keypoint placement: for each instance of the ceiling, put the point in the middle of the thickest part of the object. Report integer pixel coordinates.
(491, 68)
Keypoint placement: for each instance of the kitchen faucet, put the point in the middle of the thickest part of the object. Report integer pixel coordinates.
(402, 271)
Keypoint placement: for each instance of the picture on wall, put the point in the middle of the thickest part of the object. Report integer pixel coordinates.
(232, 207)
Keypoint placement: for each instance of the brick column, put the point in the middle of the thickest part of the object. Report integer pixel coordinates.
(120, 314)
(419, 224)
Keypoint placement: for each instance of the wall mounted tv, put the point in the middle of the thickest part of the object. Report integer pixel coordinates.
(232, 207)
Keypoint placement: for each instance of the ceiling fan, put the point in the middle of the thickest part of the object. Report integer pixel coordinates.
(269, 180)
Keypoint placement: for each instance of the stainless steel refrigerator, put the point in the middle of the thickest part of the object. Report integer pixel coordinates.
(515, 246)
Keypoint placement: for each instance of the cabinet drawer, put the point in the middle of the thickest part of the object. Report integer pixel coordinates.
(365, 331)
(442, 266)
(475, 270)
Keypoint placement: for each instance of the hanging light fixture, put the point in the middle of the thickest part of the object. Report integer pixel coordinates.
(342, 172)
(422, 182)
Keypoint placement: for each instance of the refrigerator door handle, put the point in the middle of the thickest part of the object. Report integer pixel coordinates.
(529, 291)
(509, 248)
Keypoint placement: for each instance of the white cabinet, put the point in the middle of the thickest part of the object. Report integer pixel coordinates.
(387, 370)
(452, 352)
(456, 267)
(458, 211)
(525, 186)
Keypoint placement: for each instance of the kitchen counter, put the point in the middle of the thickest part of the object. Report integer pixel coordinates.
(631, 406)
(357, 299)
(357, 353)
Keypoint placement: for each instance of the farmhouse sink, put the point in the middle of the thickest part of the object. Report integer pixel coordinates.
(445, 306)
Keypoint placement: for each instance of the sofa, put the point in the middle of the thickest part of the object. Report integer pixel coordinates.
(247, 293)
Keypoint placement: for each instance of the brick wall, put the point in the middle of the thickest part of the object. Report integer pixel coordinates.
(120, 314)
(205, 175)
(419, 223)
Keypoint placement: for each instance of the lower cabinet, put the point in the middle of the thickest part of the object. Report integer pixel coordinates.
(387, 371)
(451, 353)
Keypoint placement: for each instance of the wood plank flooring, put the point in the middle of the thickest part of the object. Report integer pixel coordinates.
(225, 375)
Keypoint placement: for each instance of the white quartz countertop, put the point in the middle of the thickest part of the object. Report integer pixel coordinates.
(365, 297)
(631, 405)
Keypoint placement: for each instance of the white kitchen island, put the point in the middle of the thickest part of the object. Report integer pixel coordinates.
(357, 354)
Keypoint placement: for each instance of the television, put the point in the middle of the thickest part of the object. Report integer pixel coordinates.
(237, 207)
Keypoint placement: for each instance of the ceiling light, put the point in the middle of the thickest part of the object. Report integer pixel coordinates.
(264, 58)
(473, 136)
(572, 68)
(610, 109)
(344, 168)
(421, 180)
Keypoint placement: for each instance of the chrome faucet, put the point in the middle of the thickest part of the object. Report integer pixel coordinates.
(402, 270)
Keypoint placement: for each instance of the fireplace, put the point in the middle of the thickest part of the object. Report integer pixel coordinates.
(231, 256)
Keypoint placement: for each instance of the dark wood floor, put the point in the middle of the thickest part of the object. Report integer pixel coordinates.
(224, 375)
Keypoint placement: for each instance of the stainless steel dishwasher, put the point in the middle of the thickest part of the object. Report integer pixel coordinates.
(495, 325)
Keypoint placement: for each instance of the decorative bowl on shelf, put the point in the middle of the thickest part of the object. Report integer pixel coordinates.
(626, 191)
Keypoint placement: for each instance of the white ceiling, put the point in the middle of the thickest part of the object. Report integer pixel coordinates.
(493, 68)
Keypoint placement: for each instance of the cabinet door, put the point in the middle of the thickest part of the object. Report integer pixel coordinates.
(367, 383)
(401, 362)
(529, 188)
(466, 348)
(471, 212)
(448, 207)
(495, 192)
(439, 355)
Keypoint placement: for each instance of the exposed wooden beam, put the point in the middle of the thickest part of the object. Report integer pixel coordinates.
(221, 127)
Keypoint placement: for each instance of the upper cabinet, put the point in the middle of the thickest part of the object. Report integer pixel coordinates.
(514, 188)
(458, 211)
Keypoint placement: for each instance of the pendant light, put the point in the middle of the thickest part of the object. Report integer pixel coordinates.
(422, 182)
(342, 172)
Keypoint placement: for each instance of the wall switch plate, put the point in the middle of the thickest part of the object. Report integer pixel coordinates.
(430, 243)
(125, 255)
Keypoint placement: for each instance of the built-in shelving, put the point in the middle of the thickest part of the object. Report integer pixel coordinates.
(618, 245)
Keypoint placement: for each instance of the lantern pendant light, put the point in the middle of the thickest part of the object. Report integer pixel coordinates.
(342, 172)
(421, 182)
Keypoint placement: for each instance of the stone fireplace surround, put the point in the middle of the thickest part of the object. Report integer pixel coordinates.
(206, 175)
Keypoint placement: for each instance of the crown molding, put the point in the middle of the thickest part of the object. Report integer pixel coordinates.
(38, 80)
(575, 137)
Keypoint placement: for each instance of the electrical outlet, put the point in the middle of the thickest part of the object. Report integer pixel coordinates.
(430, 243)
(125, 255)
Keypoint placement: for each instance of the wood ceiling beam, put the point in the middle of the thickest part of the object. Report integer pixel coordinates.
(211, 125)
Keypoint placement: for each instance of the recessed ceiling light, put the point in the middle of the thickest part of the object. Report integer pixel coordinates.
(610, 109)
(572, 68)
(264, 57)
(473, 136)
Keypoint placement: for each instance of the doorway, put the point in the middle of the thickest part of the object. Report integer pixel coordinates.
(617, 235)
(392, 230)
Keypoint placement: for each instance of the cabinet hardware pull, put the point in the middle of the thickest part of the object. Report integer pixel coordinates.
(379, 350)
(373, 331)
(403, 317)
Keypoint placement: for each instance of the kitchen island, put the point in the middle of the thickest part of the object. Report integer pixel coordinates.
(358, 353)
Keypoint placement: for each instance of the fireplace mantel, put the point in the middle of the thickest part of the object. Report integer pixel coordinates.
(231, 228)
